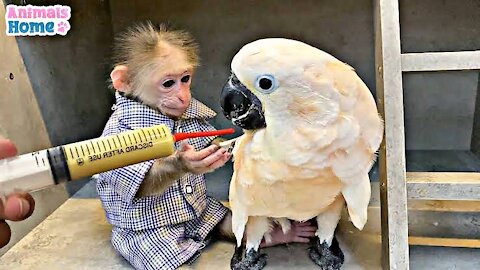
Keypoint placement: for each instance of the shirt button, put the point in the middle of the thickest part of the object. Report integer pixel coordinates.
(188, 189)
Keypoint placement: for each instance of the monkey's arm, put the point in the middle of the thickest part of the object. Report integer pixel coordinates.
(164, 173)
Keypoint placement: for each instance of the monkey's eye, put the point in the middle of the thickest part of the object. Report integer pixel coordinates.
(266, 84)
(185, 78)
(168, 84)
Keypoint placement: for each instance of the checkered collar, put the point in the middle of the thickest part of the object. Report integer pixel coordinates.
(134, 113)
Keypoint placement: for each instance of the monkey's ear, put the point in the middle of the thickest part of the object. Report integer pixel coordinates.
(119, 78)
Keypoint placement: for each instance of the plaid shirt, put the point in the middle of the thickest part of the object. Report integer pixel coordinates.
(163, 231)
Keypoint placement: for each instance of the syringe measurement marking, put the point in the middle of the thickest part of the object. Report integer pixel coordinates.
(114, 144)
(109, 145)
(83, 152)
(76, 150)
(155, 133)
(43, 160)
(93, 147)
(125, 141)
(98, 144)
(36, 160)
(130, 139)
(104, 147)
(150, 135)
(88, 150)
(71, 153)
(119, 141)
(144, 134)
(162, 132)
(135, 137)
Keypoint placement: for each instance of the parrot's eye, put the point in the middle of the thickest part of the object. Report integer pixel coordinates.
(266, 84)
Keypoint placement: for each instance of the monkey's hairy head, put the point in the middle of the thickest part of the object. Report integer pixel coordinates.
(155, 64)
(145, 40)
(140, 46)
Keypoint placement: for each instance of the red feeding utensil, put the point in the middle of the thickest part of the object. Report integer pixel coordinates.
(188, 135)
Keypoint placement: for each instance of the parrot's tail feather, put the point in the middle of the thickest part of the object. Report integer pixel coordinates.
(357, 196)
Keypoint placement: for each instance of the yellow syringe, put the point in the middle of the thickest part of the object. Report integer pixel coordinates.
(37, 170)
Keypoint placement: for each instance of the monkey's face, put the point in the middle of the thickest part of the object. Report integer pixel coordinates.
(174, 94)
(168, 85)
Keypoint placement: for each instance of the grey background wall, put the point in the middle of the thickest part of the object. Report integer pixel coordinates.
(440, 105)
(68, 74)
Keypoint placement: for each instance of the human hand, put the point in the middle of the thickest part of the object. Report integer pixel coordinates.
(16, 207)
(299, 232)
(203, 161)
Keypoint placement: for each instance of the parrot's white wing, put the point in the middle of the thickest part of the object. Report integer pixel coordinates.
(236, 197)
(359, 134)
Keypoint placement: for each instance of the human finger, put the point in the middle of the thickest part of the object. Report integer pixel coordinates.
(307, 229)
(7, 148)
(305, 233)
(17, 207)
(301, 239)
(5, 233)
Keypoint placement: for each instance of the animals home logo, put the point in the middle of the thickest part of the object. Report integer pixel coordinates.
(37, 20)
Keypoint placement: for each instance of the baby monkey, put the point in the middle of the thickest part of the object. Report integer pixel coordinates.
(155, 67)
(161, 215)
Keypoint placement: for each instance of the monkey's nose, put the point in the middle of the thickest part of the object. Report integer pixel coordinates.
(184, 96)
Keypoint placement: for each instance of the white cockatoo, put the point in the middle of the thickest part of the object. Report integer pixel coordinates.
(311, 133)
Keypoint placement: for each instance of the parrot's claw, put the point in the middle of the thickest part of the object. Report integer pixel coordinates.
(253, 260)
(328, 258)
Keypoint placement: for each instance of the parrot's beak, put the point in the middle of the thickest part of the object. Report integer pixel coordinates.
(241, 106)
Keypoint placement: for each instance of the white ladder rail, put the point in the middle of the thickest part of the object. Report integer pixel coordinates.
(393, 189)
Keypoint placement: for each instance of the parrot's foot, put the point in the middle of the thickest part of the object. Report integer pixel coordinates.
(253, 260)
(328, 258)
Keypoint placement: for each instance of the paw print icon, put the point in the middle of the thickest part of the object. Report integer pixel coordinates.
(63, 27)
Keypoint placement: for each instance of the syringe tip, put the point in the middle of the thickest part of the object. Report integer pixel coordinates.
(188, 135)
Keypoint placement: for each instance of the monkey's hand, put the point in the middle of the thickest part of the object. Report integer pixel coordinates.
(166, 171)
(203, 161)
(217, 141)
